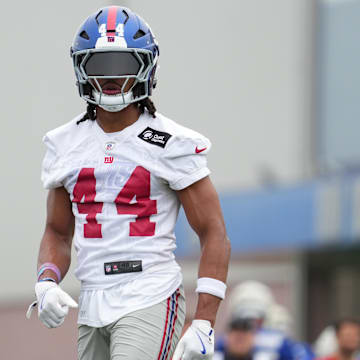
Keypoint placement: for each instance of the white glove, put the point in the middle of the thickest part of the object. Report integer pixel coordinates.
(53, 303)
(197, 343)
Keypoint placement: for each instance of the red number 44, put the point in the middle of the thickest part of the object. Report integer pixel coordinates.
(137, 186)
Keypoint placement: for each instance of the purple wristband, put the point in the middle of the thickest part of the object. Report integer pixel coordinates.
(47, 279)
(49, 266)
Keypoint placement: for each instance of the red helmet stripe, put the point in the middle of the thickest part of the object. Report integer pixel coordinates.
(111, 21)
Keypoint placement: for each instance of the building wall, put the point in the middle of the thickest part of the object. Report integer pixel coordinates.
(338, 95)
(333, 278)
(241, 73)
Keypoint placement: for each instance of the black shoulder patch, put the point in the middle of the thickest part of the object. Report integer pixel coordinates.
(155, 137)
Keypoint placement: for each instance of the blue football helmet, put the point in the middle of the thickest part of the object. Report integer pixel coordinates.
(115, 43)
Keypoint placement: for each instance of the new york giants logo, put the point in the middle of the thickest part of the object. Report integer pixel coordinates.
(108, 159)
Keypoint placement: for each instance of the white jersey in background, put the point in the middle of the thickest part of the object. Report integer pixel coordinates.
(122, 190)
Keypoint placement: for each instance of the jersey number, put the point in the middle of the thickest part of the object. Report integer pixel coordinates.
(138, 186)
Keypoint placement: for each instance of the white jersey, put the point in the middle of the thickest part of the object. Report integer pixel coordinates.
(122, 187)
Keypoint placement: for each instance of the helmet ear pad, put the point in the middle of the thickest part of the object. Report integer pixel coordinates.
(152, 80)
(84, 89)
(139, 90)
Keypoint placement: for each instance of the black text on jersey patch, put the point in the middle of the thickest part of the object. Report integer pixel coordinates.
(121, 267)
(155, 137)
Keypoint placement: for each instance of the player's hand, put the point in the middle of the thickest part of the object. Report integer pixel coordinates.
(197, 343)
(53, 303)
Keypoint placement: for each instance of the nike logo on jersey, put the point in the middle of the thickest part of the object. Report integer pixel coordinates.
(155, 137)
(203, 351)
(200, 150)
(122, 267)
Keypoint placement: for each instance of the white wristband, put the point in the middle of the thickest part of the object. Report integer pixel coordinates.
(211, 286)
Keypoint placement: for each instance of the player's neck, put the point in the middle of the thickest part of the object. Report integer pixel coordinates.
(117, 121)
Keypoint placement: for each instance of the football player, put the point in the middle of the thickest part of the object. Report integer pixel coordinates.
(117, 175)
(248, 338)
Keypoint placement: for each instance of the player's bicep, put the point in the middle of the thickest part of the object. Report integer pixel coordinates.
(60, 218)
(202, 207)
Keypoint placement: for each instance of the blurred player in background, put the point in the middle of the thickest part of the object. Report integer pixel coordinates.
(239, 342)
(347, 340)
(279, 318)
(252, 333)
(326, 343)
(117, 176)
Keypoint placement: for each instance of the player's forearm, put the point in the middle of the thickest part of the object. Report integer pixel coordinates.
(213, 264)
(207, 307)
(55, 248)
(215, 255)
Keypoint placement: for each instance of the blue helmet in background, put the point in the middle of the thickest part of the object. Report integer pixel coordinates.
(115, 43)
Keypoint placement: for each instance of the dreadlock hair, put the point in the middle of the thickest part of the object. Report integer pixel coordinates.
(142, 104)
(90, 113)
(149, 105)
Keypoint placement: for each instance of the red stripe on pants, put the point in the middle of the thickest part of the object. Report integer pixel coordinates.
(165, 328)
(173, 329)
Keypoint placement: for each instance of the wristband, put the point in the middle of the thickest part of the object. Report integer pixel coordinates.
(49, 266)
(211, 286)
(47, 279)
